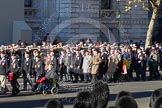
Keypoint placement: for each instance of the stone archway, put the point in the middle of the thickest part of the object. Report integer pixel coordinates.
(93, 22)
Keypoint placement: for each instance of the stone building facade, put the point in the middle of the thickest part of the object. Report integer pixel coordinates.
(72, 20)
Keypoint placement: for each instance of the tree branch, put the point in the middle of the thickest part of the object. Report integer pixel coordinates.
(158, 2)
(153, 3)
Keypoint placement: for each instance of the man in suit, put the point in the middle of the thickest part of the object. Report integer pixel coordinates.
(35, 55)
(27, 66)
(104, 64)
(38, 67)
(62, 67)
(153, 64)
(13, 75)
(78, 60)
(140, 65)
(39, 71)
(53, 60)
(3, 72)
(69, 63)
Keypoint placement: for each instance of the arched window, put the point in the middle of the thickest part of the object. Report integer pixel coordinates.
(28, 3)
(105, 4)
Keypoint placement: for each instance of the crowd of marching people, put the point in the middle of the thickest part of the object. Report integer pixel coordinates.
(82, 62)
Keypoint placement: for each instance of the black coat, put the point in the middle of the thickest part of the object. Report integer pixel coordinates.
(14, 67)
(69, 60)
(78, 61)
(27, 66)
(54, 63)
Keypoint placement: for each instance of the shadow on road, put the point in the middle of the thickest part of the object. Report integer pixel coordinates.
(8, 95)
(67, 101)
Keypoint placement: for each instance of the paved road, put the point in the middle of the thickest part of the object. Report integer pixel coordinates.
(141, 92)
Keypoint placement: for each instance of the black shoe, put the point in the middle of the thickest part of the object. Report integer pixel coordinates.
(137, 79)
(75, 82)
(18, 91)
(13, 94)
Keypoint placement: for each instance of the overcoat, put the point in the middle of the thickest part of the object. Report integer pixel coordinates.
(95, 62)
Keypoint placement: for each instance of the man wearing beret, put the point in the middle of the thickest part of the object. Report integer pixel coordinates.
(27, 66)
(13, 74)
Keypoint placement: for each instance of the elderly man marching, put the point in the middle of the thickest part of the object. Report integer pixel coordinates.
(27, 66)
(13, 75)
(3, 72)
(94, 64)
(113, 60)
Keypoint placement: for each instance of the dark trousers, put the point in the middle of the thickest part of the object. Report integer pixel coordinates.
(141, 71)
(27, 79)
(161, 65)
(14, 85)
(154, 73)
(87, 77)
(35, 77)
(94, 78)
(130, 70)
(76, 75)
(63, 72)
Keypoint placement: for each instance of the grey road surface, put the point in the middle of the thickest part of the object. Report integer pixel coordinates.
(26, 99)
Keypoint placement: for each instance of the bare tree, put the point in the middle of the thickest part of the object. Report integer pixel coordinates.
(155, 6)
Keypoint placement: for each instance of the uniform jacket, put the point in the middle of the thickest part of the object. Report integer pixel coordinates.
(14, 67)
(78, 60)
(69, 60)
(27, 66)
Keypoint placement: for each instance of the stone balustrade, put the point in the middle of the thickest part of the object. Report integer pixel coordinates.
(107, 13)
